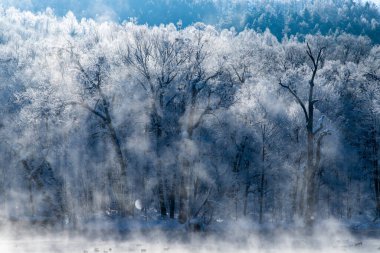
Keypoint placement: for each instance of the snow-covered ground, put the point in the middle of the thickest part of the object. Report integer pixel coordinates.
(163, 236)
(82, 246)
(328, 242)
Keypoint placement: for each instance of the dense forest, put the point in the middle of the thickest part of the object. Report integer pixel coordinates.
(194, 124)
(282, 18)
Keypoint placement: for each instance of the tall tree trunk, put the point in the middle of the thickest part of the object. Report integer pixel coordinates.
(124, 203)
(310, 175)
(376, 172)
(184, 200)
(183, 191)
(172, 198)
(377, 188)
(246, 193)
(30, 187)
(157, 125)
(295, 210)
(183, 208)
(113, 134)
(118, 150)
(302, 202)
(311, 167)
(262, 175)
(261, 197)
(161, 195)
(310, 196)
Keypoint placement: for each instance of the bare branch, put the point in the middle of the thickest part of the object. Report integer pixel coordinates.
(86, 106)
(240, 77)
(315, 101)
(297, 98)
(312, 58)
(171, 99)
(318, 130)
(203, 203)
(319, 57)
(310, 54)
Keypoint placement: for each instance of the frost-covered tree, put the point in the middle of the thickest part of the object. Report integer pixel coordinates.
(125, 121)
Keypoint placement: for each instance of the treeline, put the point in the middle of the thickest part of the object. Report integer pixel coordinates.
(282, 18)
(104, 120)
(285, 19)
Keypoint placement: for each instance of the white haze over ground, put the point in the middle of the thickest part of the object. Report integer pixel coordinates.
(71, 245)
(329, 237)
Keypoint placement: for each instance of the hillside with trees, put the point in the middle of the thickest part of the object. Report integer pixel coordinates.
(105, 121)
(283, 18)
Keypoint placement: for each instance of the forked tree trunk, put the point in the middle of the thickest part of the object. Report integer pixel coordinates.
(312, 167)
(124, 202)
